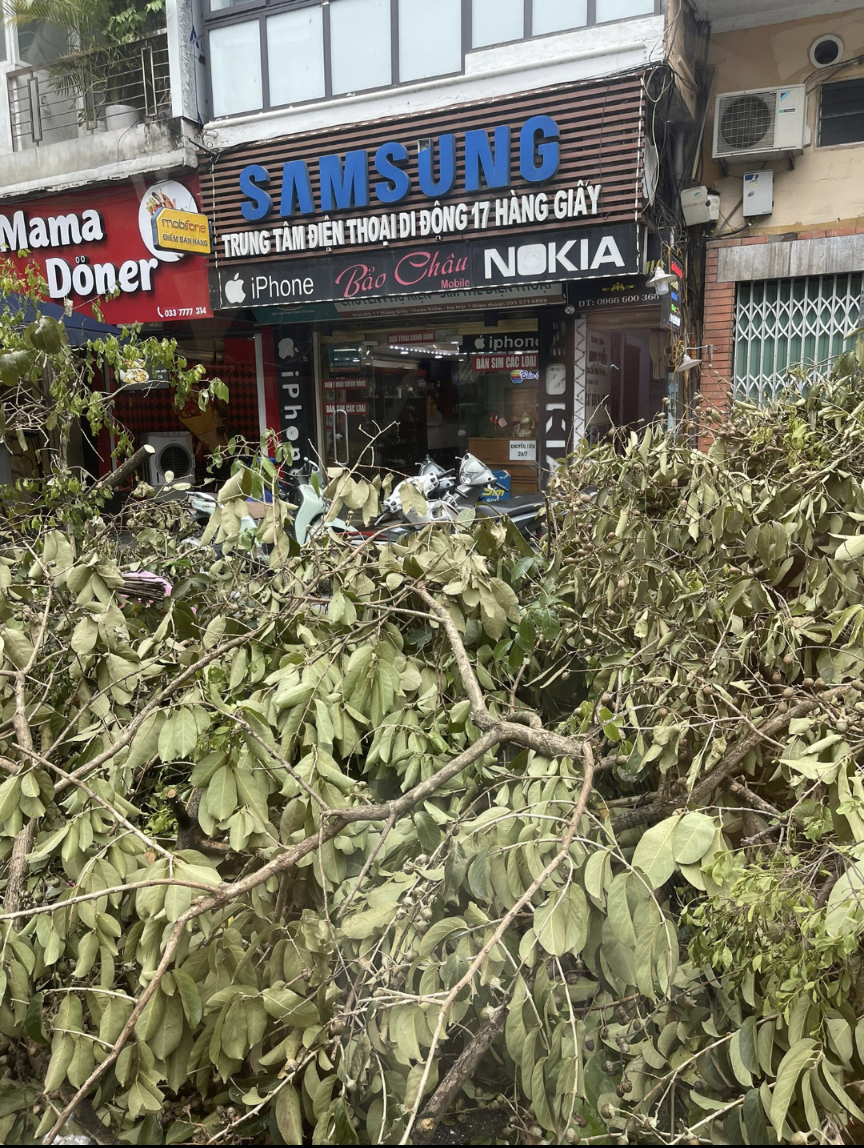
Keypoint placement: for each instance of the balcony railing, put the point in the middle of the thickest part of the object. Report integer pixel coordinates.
(99, 90)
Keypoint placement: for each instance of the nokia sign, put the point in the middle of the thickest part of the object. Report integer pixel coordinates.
(580, 253)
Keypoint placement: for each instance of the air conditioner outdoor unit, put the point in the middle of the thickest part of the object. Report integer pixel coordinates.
(764, 122)
(174, 455)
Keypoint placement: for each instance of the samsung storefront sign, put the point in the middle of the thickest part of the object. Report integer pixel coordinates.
(472, 198)
(359, 177)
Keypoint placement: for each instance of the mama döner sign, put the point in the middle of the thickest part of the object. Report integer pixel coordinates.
(488, 206)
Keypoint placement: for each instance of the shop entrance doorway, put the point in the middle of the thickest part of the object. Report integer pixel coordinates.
(391, 398)
(626, 380)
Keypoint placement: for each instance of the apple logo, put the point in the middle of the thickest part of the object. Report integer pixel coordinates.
(286, 349)
(235, 290)
(480, 343)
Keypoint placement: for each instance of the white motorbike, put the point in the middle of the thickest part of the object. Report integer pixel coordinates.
(445, 496)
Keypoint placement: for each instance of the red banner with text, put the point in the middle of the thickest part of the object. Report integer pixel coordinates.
(89, 244)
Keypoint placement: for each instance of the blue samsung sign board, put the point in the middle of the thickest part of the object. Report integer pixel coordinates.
(361, 177)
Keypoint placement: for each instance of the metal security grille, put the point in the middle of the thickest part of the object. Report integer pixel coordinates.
(782, 324)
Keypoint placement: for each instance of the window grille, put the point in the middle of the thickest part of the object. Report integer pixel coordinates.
(784, 323)
(841, 113)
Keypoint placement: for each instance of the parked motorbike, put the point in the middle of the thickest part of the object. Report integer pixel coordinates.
(446, 496)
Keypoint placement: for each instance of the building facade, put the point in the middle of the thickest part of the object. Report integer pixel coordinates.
(440, 221)
(434, 228)
(783, 151)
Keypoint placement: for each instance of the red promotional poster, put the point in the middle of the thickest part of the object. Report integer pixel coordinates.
(88, 244)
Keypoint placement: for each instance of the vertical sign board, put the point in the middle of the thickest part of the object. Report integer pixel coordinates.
(670, 316)
(295, 382)
(555, 399)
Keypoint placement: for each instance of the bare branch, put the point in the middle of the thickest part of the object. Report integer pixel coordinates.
(112, 481)
(503, 926)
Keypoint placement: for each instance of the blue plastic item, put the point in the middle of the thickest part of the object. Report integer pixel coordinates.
(500, 490)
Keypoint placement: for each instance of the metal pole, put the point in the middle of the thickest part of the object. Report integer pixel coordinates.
(35, 109)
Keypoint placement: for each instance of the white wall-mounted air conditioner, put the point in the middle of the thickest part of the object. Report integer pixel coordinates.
(764, 122)
(174, 455)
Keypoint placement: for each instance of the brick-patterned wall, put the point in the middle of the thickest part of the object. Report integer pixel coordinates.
(718, 330)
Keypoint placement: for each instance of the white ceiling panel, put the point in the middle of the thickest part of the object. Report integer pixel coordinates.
(728, 14)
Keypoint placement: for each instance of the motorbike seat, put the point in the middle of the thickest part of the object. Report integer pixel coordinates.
(521, 503)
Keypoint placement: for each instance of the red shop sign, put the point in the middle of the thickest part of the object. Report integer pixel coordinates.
(503, 362)
(89, 244)
(346, 408)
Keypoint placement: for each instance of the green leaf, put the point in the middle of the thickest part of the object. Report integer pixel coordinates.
(184, 732)
(10, 795)
(179, 1132)
(289, 1115)
(178, 898)
(845, 906)
(791, 1066)
(346, 1133)
(654, 854)
(693, 837)
(618, 910)
(114, 1016)
(830, 1074)
(167, 1036)
(18, 647)
(747, 1045)
(145, 743)
(84, 637)
(33, 1020)
(215, 631)
(62, 1050)
(742, 1074)
(754, 1119)
(82, 1061)
(362, 925)
(222, 793)
(598, 876)
(850, 550)
(190, 997)
(561, 924)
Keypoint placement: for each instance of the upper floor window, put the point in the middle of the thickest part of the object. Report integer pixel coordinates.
(276, 53)
(841, 113)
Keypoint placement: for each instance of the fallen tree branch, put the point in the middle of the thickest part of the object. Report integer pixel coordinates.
(660, 809)
(462, 1070)
(18, 868)
(504, 924)
(541, 740)
(69, 902)
(331, 826)
(112, 481)
(333, 821)
(753, 799)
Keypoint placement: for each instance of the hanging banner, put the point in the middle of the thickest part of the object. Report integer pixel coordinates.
(93, 243)
(518, 364)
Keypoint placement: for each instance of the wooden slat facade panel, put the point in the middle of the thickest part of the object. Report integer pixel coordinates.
(601, 137)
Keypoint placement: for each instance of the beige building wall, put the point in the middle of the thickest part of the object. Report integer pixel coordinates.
(826, 186)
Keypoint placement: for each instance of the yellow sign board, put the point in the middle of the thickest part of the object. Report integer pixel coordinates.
(182, 231)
